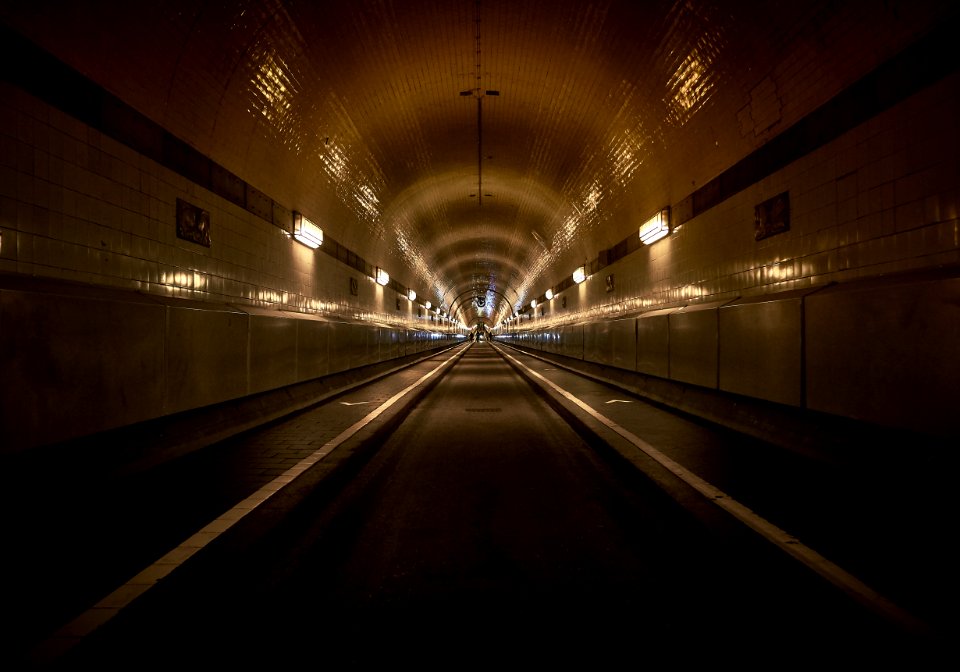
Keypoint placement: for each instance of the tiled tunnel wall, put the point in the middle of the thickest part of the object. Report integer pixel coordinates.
(78, 360)
(854, 311)
(736, 314)
(881, 351)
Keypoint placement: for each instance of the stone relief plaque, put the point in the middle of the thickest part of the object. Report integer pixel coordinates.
(193, 223)
(772, 216)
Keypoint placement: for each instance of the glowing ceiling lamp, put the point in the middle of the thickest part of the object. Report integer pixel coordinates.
(656, 227)
(580, 275)
(306, 232)
(549, 294)
(382, 277)
(412, 295)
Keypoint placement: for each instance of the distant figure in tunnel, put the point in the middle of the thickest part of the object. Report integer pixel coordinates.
(479, 334)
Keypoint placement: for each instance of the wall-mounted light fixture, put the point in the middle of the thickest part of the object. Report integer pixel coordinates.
(549, 294)
(580, 275)
(656, 227)
(306, 232)
(533, 304)
(412, 295)
(382, 277)
(427, 305)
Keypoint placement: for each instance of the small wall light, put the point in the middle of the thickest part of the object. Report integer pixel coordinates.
(533, 304)
(427, 305)
(656, 227)
(411, 295)
(580, 275)
(306, 232)
(549, 294)
(382, 277)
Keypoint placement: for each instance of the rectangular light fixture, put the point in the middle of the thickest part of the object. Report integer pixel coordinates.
(580, 275)
(656, 227)
(306, 231)
(382, 277)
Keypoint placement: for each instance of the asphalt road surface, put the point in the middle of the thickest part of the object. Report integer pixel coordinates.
(480, 531)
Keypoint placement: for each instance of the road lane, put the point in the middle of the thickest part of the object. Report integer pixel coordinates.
(485, 531)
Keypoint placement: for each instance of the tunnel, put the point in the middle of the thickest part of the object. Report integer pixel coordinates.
(216, 217)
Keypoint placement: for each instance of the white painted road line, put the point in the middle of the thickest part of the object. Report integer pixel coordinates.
(70, 634)
(833, 573)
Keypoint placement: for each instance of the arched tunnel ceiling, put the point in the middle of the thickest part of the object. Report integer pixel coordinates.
(461, 144)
